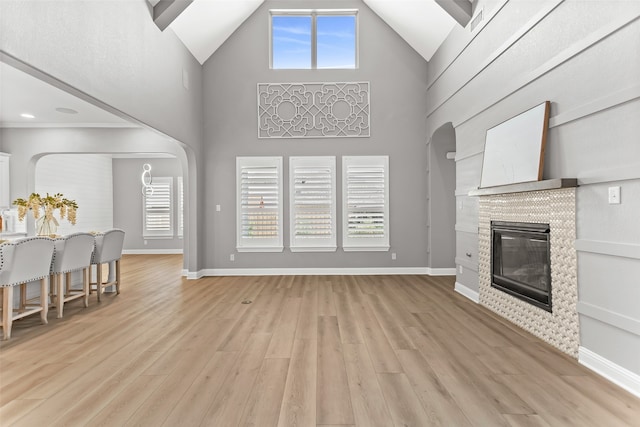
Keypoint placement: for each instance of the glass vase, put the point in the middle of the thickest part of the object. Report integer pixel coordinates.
(46, 227)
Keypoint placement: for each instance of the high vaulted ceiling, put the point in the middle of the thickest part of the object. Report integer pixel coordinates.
(204, 25)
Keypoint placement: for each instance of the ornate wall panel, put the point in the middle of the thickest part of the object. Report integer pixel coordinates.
(313, 110)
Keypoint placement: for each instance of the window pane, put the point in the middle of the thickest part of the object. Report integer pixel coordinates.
(336, 41)
(291, 41)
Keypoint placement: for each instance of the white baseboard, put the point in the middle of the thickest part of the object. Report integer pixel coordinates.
(441, 271)
(312, 271)
(618, 375)
(467, 292)
(152, 251)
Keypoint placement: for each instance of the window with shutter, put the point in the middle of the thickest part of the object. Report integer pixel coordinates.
(365, 192)
(312, 203)
(157, 207)
(259, 204)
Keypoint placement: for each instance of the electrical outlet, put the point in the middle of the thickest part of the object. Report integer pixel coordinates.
(218, 208)
(145, 242)
(393, 256)
(614, 195)
(460, 269)
(232, 257)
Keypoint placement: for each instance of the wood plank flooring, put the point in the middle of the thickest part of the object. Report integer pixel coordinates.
(308, 351)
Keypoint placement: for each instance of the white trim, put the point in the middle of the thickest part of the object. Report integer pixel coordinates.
(441, 271)
(625, 250)
(609, 175)
(556, 61)
(193, 275)
(510, 42)
(595, 106)
(152, 251)
(467, 292)
(465, 228)
(469, 265)
(609, 317)
(474, 33)
(618, 375)
(374, 271)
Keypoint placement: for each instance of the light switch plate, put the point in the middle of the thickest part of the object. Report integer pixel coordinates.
(614, 195)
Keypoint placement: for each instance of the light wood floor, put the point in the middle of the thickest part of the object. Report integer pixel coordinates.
(308, 351)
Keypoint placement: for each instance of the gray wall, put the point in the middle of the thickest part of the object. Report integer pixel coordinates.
(113, 52)
(127, 206)
(441, 216)
(110, 53)
(585, 58)
(398, 107)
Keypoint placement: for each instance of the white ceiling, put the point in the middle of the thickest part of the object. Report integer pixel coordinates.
(206, 24)
(22, 93)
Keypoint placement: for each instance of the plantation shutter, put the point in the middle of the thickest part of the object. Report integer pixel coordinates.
(157, 208)
(259, 181)
(365, 203)
(312, 204)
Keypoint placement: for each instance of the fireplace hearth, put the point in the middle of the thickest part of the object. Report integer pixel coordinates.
(521, 260)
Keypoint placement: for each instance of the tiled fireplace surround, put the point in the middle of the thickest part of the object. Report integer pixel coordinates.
(557, 207)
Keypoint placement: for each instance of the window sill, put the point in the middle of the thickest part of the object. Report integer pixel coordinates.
(158, 237)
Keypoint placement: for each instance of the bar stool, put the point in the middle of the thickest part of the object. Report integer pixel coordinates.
(72, 253)
(108, 249)
(22, 261)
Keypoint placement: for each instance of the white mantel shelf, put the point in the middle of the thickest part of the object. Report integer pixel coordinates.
(523, 187)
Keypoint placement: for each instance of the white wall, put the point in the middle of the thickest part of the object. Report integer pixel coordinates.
(85, 178)
(583, 56)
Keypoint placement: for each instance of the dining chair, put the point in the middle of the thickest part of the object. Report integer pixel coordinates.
(22, 261)
(108, 250)
(72, 253)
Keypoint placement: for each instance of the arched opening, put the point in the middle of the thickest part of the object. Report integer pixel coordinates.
(442, 200)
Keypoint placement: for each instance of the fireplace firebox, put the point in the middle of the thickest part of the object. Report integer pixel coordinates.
(521, 262)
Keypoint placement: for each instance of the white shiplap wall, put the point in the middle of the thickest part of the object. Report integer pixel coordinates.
(85, 178)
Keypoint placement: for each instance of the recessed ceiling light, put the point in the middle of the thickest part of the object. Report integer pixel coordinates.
(66, 110)
(27, 116)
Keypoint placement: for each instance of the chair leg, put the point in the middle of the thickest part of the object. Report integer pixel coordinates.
(44, 299)
(117, 277)
(23, 296)
(99, 280)
(85, 285)
(60, 285)
(7, 311)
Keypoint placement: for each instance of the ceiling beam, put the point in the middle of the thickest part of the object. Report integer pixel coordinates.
(460, 10)
(166, 11)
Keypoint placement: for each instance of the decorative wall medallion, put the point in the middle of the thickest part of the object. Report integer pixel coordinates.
(313, 110)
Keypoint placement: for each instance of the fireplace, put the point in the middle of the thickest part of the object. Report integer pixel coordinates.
(520, 261)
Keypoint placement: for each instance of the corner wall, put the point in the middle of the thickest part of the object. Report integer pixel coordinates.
(585, 58)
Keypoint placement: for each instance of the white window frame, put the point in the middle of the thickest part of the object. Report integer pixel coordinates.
(312, 204)
(180, 206)
(314, 13)
(352, 167)
(152, 191)
(245, 242)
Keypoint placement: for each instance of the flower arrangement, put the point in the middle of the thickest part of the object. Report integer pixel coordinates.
(49, 204)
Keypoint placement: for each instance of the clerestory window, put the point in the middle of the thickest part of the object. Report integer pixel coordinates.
(314, 39)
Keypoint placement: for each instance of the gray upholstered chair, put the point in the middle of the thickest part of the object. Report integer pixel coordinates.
(23, 261)
(72, 253)
(108, 250)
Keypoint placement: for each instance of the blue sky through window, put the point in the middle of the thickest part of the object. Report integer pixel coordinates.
(336, 43)
(292, 39)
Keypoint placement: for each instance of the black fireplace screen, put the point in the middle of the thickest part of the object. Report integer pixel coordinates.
(520, 256)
